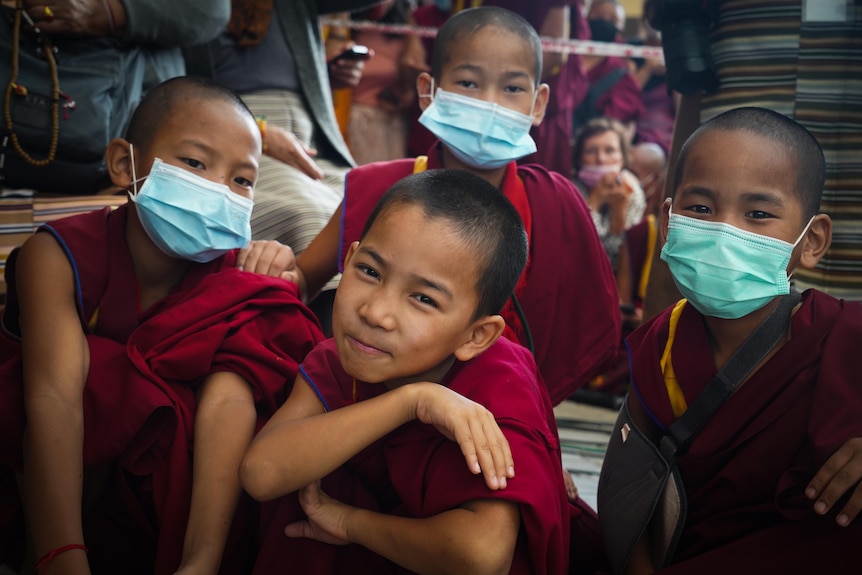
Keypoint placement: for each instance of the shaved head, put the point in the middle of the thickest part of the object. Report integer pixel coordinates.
(148, 118)
(468, 22)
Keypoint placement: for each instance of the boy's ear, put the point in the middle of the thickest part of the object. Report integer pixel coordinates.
(817, 240)
(665, 216)
(118, 159)
(543, 93)
(423, 90)
(482, 333)
(350, 251)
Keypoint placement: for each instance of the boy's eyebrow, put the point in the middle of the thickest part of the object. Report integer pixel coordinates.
(763, 198)
(697, 191)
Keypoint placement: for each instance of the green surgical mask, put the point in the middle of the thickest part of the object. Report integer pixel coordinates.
(724, 271)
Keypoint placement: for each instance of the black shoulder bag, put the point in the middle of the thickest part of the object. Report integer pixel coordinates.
(640, 489)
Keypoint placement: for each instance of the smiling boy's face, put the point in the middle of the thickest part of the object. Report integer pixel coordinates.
(407, 299)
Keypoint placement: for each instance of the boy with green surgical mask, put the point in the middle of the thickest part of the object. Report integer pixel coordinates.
(481, 98)
(765, 476)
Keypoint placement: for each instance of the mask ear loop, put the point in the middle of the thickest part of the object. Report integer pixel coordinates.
(799, 239)
(430, 95)
(134, 175)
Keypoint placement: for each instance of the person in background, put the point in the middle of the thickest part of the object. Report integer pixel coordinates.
(613, 90)
(272, 54)
(377, 129)
(104, 33)
(612, 192)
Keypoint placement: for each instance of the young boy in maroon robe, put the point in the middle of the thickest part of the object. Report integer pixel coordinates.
(141, 357)
(743, 216)
(481, 99)
(384, 412)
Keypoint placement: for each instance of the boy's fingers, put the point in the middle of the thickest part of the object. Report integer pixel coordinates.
(851, 510)
(834, 475)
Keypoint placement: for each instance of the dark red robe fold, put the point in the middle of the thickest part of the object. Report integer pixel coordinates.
(416, 472)
(139, 398)
(570, 298)
(624, 101)
(746, 471)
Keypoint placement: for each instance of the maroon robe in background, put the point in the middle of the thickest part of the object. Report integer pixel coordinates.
(745, 473)
(570, 299)
(624, 101)
(139, 398)
(416, 472)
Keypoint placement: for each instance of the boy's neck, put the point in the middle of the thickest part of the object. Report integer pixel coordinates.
(727, 335)
(433, 375)
(450, 162)
(157, 273)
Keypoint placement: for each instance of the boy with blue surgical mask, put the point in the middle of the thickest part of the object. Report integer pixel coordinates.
(771, 485)
(138, 360)
(481, 99)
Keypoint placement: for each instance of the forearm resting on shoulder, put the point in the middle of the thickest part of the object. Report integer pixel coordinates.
(478, 537)
(224, 426)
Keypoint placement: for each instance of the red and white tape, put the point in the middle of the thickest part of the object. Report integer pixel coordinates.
(556, 45)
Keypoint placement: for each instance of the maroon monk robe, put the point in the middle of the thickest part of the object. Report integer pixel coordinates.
(570, 298)
(416, 472)
(139, 398)
(624, 101)
(746, 471)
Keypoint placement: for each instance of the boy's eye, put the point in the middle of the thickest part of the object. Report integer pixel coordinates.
(368, 271)
(466, 83)
(425, 300)
(514, 89)
(698, 209)
(244, 182)
(759, 215)
(191, 162)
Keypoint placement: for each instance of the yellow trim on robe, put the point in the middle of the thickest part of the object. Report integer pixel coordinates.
(420, 164)
(674, 391)
(652, 233)
(94, 320)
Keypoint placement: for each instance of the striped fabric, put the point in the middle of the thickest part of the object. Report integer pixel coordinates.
(288, 205)
(810, 71)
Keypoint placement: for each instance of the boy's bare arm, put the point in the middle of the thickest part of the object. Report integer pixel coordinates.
(302, 444)
(318, 263)
(224, 425)
(55, 365)
(478, 537)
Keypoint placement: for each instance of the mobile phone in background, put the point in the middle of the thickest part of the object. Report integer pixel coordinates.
(355, 52)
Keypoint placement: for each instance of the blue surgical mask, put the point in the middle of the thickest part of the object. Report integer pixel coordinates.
(189, 217)
(481, 134)
(724, 271)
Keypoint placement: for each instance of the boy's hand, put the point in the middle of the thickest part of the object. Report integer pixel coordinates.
(327, 518)
(474, 429)
(841, 473)
(268, 257)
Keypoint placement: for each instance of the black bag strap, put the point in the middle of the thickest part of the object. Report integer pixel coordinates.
(722, 385)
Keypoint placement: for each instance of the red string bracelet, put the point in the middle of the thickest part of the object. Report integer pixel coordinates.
(43, 563)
